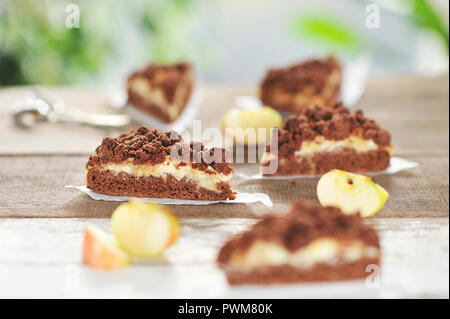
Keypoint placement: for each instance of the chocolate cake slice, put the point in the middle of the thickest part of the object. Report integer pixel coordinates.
(310, 243)
(301, 85)
(161, 90)
(150, 163)
(321, 139)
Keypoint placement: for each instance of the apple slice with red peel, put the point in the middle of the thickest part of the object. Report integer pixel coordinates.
(351, 192)
(144, 229)
(101, 251)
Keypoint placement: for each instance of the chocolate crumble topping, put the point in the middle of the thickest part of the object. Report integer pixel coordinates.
(296, 77)
(335, 123)
(151, 146)
(167, 77)
(302, 225)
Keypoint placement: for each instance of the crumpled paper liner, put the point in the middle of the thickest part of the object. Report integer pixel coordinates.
(397, 164)
(241, 198)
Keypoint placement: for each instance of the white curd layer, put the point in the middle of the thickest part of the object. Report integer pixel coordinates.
(154, 96)
(325, 250)
(320, 144)
(168, 167)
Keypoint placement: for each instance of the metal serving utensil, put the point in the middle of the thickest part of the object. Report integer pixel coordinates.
(41, 109)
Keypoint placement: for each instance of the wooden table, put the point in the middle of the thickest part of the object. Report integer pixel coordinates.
(41, 222)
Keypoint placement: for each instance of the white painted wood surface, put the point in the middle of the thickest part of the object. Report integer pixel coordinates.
(42, 258)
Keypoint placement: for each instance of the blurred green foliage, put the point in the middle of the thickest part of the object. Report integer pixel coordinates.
(33, 50)
(427, 17)
(168, 23)
(327, 32)
(37, 47)
(334, 35)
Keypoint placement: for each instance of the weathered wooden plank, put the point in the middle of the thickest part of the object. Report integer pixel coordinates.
(33, 186)
(45, 253)
(415, 110)
(42, 258)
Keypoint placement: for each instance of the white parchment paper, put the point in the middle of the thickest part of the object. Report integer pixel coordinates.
(241, 198)
(397, 164)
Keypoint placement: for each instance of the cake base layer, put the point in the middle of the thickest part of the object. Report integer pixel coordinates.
(295, 102)
(320, 163)
(123, 184)
(148, 107)
(283, 274)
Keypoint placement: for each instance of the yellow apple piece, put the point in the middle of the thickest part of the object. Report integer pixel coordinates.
(351, 192)
(242, 124)
(101, 251)
(143, 229)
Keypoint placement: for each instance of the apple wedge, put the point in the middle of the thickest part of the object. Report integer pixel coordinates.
(243, 124)
(101, 251)
(144, 230)
(352, 193)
